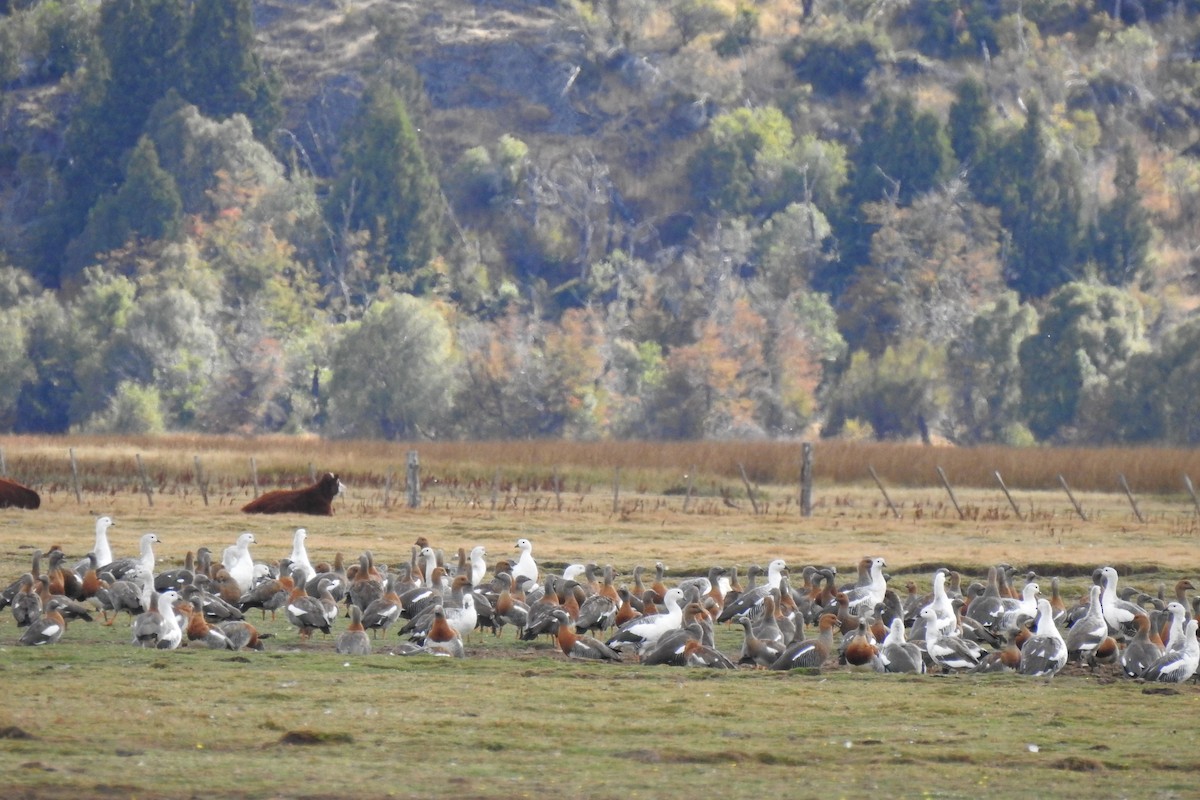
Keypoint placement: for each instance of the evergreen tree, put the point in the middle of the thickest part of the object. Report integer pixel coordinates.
(968, 126)
(1123, 230)
(1086, 336)
(1039, 202)
(385, 184)
(223, 74)
(902, 154)
(139, 63)
(147, 206)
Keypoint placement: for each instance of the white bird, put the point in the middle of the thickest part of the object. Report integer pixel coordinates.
(159, 628)
(1045, 652)
(897, 653)
(1024, 609)
(1087, 632)
(525, 567)
(1118, 613)
(865, 598)
(465, 618)
(238, 562)
(753, 598)
(101, 549)
(642, 633)
(140, 568)
(948, 651)
(1174, 639)
(944, 616)
(478, 564)
(1177, 666)
(299, 555)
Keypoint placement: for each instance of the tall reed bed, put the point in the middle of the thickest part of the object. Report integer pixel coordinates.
(543, 465)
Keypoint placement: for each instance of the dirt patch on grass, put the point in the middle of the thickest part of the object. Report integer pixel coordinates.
(13, 732)
(1079, 764)
(306, 737)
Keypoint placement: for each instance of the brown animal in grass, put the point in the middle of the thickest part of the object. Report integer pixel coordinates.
(14, 495)
(316, 499)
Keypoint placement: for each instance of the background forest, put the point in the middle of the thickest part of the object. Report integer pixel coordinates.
(969, 220)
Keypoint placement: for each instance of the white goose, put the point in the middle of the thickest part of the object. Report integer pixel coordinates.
(1024, 609)
(1118, 613)
(101, 548)
(239, 563)
(159, 628)
(641, 634)
(753, 598)
(525, 567)
(948, 651)
(140, 568)
(478, 567)
(865, 598)
(299, 555)
(1045, 652)
(1177, 666)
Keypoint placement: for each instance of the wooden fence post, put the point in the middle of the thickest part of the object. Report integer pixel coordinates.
(414, 479)
(749, 489)
(557, 490)
(145, 481)
(1129, 494)
(495, 488)
(687, 497)
(946, 482)
(200, 481)
(312, 473)
(3, 465)
(1016, 509)
(806, 479)
(387, 486)
(75, 476)
(1187, 481)
(1071, 497)
(254, 474)
(616, 489)
(879, 483)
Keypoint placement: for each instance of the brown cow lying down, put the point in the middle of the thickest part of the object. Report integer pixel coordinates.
(316, 499)
(14, 495)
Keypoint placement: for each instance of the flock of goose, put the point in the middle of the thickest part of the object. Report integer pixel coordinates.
(981, 626)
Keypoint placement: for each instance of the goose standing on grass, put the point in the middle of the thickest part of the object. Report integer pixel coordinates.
(1044, 653)
(809, 653)
(1177, 666)
(948, 650)
(442, 639)
(525, 567)
(238, 562)
(354, 640)
(862, 599)
(477, 564)
(382, 613)
(102, 549)
(159, 628)
(299, 556)
(642, 633)
(753, 598)
(1118, 613)
(1089, 631)
(580, 647)
(46, 629)
(139, 568)
(897, 653)
(1141, 651)
(26, 603)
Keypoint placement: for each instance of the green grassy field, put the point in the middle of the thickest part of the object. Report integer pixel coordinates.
(96, 717)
